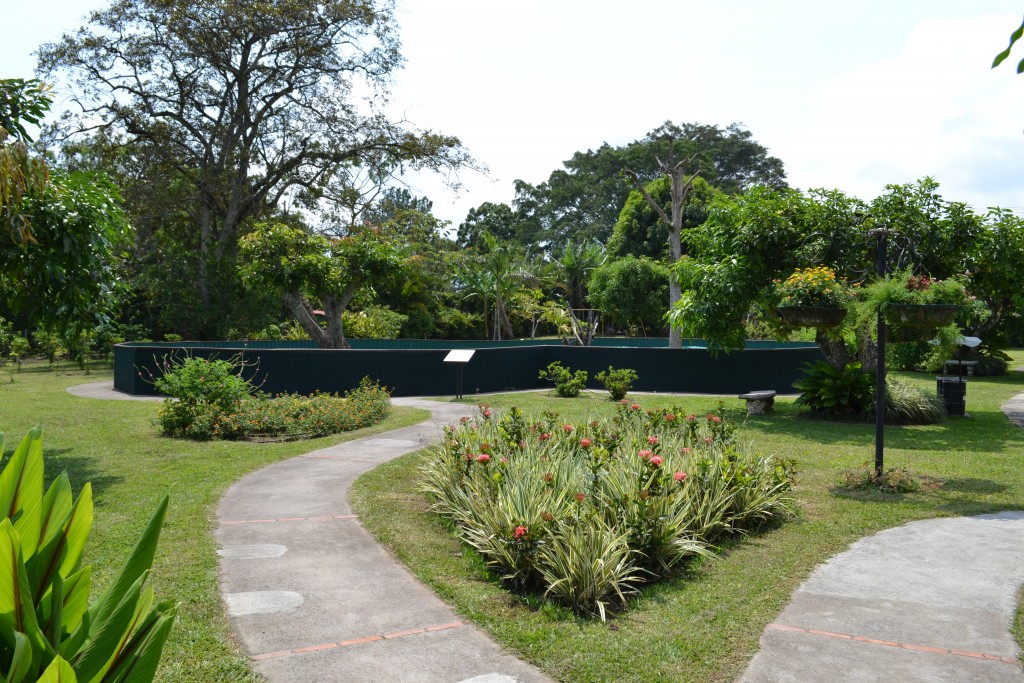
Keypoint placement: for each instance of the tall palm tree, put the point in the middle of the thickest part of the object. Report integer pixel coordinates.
(498, 271)
(578, 259)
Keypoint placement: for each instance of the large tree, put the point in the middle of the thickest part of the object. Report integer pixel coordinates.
(640, 230)
(497, 219)
(633, 291)
(582, 201)
(748, 241)
(678, 160)
(246, 104)
(64, 231)
(22, 173)
(309, 268)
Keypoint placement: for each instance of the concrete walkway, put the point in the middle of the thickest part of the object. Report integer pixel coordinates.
(313, 598)
(310, 594)
(927, 601)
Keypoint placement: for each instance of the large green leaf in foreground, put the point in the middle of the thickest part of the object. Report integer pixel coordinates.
(48, 630)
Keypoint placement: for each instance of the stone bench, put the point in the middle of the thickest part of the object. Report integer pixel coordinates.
(759, 402)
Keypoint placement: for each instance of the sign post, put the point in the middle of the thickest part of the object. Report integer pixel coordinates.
(460, 357)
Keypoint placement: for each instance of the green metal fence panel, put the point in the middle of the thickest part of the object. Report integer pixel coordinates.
(281, 367)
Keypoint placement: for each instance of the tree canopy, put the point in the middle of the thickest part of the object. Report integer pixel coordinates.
(246, 105)
(633, 291)
(308, 268)
(59, 255)
(583, 200)
(22, 102)
(750, 240)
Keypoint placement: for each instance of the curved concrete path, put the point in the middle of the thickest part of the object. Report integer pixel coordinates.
(927, 601)
(314, 598)
(310, 594)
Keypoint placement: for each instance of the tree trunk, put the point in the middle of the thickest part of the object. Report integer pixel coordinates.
(834, 349)
(867, 349)
(303, 314)
(333, 337)
(203, 277)
(675, 292)
(679, 189)
(501, 321)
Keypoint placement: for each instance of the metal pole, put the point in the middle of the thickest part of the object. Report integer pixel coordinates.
(880, 257)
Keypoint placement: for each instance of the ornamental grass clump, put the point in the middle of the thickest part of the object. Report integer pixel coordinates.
(586, 512)
(814, 287)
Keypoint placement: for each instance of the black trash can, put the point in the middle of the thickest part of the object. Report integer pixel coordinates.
(952, 391)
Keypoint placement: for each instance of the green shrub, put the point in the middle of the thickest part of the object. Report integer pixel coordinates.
(48, 629)
(209, 381)
(211, 401)
(617, 382)
(47, 344)
(20, 349)
(995, 363)
(373, 322)
(833, 391)
(6, 335)
(586, 512)
(907, 355)
(568, 384)
(268, 333)
(292, 415)
(199, 390)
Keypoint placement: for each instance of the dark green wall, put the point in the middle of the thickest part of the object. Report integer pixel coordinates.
(295, 367)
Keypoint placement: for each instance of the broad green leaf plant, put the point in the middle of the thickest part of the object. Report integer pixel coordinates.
(48, 629)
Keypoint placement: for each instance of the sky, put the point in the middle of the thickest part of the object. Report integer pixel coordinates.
(850, 95)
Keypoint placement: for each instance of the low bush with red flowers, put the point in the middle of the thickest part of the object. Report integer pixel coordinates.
(249, 414)
(585, 513)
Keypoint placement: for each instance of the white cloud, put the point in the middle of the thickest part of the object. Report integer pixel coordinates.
(936, 109)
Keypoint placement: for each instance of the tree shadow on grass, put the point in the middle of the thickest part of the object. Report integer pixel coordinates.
(958, 496)
(80, 470)
(973, 485)
(983, 431)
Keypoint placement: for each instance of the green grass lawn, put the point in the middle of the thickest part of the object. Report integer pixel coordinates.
(115, 445)
(705, 625)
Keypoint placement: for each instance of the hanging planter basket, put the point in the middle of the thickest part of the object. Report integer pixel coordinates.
(929, 316)
(820, 317)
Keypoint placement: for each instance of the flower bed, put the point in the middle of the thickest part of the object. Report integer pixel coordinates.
(289, 416)
(587, 512)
